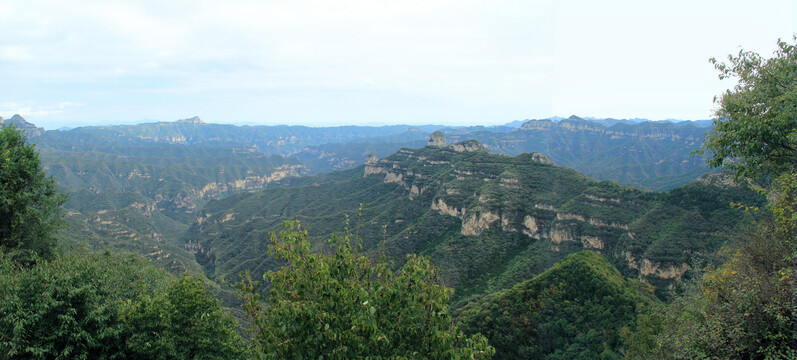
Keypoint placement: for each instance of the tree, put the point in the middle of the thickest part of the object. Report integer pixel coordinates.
(745, 308)
(755, 129)
(69, 307)
(30, 204)
(342, 305)
(184, 322)
(105, 305)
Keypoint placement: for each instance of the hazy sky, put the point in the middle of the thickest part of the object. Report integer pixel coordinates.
(73, 62)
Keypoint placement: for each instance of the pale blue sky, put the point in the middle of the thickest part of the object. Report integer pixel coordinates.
(90, 62)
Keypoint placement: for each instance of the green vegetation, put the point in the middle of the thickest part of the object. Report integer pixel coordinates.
(507, 233)
(342, 306)
(98, 305)
(744, 308)
(141, 197)
(103, 305)
(568, 211)
(755, 133)
(577, 309)
(183, 322)
(30, 213)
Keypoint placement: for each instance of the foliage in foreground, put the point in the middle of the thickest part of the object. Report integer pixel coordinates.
(745, 308)
(575, 310)
(341, 305)
(754, 132)
(30, 213)
(103, 305)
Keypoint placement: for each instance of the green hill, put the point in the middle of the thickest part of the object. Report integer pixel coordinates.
(574, 310)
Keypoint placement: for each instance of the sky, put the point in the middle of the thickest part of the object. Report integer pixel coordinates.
(371, 62)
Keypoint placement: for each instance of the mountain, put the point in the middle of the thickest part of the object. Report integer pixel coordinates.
(30, 129)
(651, 155)
(489, 221)
(267, 139)
(149, 181)
(141, 196)
(577, 309)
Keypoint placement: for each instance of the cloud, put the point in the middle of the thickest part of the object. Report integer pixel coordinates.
(475, 59)
(26, 110)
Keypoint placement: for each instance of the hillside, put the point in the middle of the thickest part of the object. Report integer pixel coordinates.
(142, 196)
(488, 221)
(574, 310)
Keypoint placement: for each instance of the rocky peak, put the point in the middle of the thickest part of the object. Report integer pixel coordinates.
(541, 158)
(371, 159)
(537, 125)
(28, 128)
(194, 121)
(438, 140)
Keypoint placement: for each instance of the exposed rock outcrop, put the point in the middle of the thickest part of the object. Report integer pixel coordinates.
(475, 224)
(29, 129)
(466, 146)
(724, 180)
(438, 140)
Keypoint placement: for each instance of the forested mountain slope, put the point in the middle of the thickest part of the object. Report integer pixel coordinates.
(488, 221)
(142, 195)
(577, 309)
(140, 186)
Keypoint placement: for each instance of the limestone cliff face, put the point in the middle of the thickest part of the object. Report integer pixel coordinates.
(443, 208)
(466, 146)
(187, 201)
(650, 268)
(475, 224)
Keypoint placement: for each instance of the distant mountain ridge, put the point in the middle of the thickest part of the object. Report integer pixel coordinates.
(689, 134)
(611, 121)
(653, 155)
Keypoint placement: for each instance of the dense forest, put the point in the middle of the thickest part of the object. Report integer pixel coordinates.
(199, 241)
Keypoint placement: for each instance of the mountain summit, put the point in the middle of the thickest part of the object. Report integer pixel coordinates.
(194, 120)
(30, 129)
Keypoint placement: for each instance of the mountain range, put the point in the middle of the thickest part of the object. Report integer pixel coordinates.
(487, 220)
(533, 226)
